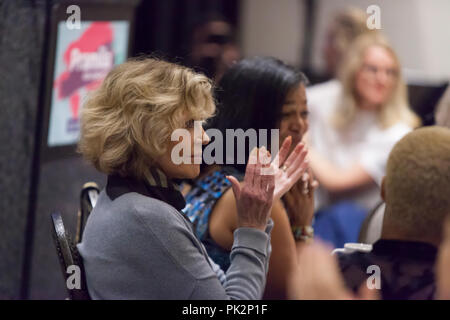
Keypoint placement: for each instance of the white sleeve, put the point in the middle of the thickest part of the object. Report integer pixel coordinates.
(322, 100)
(374, 155)
(322, 97)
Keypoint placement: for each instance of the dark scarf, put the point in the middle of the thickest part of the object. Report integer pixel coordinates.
(155, 185)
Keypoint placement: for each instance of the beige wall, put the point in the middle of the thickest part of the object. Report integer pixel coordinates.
(419, 30)
(272, 27)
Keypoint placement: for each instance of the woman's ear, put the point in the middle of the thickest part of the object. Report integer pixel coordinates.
(382, 189)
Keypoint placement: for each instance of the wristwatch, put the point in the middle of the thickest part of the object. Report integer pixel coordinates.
(305, 233)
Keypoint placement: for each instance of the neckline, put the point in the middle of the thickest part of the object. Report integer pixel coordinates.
(155, 185)
(410, 249)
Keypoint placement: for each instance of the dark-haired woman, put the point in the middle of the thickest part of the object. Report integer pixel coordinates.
(137, 244)
(257, 93)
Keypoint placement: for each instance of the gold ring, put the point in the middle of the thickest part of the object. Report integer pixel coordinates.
(284, 168)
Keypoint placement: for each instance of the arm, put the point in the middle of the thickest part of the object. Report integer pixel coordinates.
(299, 204)
(282, 261)
(248, 267)
(176, 266)
(246, 276)
(335, 179)
(254, 199)
(222, 224)
(224, 219)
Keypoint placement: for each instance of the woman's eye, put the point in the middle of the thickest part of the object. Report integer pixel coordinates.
(391, 73)
(305, 114)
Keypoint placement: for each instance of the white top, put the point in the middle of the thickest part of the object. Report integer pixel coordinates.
(363, 141)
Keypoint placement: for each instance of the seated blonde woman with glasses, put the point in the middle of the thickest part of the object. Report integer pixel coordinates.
(352, 133)
(137, 244)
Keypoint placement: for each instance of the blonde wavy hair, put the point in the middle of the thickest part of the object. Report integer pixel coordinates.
(395, 110)
(127, 122)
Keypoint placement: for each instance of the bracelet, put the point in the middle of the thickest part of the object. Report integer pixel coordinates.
(305, 233)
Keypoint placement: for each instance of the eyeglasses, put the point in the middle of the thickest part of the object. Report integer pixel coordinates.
(373, 71)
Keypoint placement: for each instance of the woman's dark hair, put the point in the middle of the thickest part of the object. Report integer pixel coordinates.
(251, 95)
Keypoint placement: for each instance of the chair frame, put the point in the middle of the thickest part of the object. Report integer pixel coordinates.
(88, 199)
(362, 237)
(68, 256)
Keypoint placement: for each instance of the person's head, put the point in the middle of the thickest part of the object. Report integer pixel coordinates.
(416, 188)
(262, 93)
(371, 79)
(213, 46)
(127, 123)
(344, 28)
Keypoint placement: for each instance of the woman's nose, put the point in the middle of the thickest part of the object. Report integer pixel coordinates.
(382, 76)
(297, 123)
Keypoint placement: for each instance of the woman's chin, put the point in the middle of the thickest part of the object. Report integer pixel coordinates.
(192, 171)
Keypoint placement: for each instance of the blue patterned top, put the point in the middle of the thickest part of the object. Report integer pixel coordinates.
(200, 202)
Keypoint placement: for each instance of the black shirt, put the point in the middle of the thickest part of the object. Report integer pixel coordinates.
(406, 269)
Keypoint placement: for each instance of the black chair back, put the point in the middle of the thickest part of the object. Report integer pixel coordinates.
(88, 199)
(70, 260)
(371, 227)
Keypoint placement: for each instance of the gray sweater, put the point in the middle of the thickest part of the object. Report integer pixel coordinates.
(138, 247)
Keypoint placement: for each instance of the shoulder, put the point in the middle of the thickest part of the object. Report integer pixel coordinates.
(147, 208)
(151, 245)
(130, 217)
(134, 214)
(398, 130)
(329, 88)
(322, 98)
(168, 233)
(389, 136)
(131, 201)
(158, 209)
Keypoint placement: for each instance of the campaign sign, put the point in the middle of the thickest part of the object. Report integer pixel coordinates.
(83, 58)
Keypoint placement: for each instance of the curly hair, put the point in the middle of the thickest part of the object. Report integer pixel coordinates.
(417, 183)
(127, 122)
